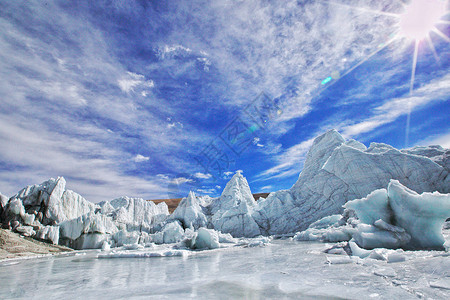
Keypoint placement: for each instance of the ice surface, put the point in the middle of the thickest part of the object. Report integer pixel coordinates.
(283, 270)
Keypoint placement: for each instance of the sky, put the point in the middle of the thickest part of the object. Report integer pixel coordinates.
(152, 99)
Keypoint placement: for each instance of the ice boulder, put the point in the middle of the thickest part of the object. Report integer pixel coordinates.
(190, 213)
(205, 239)
(421, 215)
(232, 211)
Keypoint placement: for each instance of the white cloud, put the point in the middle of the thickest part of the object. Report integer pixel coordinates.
(167, 51)
(181, 180)
(202, 175)
(441, 140)
(228, 173)
(267, 188)
(140, 158)
(128, 83)
(206, 191)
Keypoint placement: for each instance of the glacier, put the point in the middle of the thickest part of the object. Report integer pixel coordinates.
(345, 192)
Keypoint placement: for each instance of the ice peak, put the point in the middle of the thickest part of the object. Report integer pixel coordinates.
(237, 190)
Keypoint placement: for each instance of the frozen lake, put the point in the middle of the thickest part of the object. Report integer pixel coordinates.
(282, 269)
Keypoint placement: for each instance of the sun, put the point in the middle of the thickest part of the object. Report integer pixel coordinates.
(420, 18)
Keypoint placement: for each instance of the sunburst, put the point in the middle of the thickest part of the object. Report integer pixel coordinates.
(415, 24)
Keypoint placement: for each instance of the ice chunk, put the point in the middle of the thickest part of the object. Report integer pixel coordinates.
(385, 272)
(422, 216)
(90, 241)
(49, 233)
(190, 213)
(3, 201)
(371, 208)
(394, 257)
(172, 233)
(205, 239)
(51, 199)
(26, 230)
(370, 237)
(106, 246)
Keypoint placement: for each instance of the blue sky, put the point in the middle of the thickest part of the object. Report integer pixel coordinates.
(125, 97)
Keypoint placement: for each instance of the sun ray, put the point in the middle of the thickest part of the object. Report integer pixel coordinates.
(414, 64)
(441, 34)
(411, 87)
(433, 49)
(444, 22)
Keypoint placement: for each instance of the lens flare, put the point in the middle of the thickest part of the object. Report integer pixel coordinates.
(420, 18)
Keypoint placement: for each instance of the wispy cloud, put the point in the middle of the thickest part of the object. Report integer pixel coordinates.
(202, 175)
(437, 90)
(140, 158)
